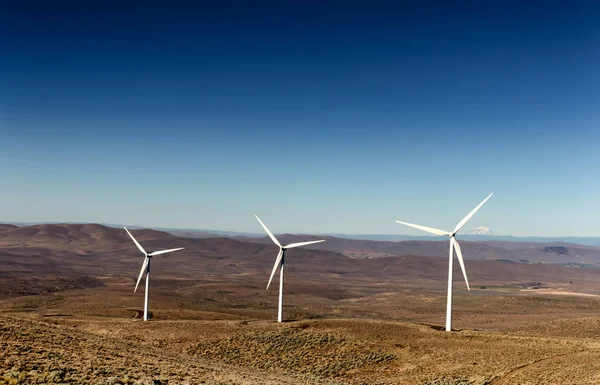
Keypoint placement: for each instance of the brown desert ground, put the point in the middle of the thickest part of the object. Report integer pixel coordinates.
(68, 313)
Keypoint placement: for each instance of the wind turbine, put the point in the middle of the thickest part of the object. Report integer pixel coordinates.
(279, 261)
(453, 246)
(146, 266)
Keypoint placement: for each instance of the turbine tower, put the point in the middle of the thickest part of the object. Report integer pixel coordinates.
(279, 262)
(146, 267)
(453, 246)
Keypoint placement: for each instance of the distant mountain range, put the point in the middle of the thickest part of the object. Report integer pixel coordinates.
(480, 234)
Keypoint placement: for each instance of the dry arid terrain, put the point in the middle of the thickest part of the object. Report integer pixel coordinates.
(68, 313)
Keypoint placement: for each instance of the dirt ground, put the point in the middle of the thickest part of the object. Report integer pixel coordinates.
(222, 334)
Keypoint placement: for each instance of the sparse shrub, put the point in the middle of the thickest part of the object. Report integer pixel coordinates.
(448, 381)
(296, 350)
(456, 381)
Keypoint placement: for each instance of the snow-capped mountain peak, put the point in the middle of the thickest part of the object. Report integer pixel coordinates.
(480, 231)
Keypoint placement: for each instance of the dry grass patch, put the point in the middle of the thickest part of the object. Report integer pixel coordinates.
(296, 350)
(38, 353)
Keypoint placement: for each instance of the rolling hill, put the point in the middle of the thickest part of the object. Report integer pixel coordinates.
(560, 253)
(53, 257)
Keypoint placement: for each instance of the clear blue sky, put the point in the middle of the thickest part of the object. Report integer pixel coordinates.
(339, 118)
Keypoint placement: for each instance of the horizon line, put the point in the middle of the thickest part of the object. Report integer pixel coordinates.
(34, 223)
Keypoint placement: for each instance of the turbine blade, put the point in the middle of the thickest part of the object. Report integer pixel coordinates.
(277, 261)
(460, 260)
(146, 259)
(268, 232)
(292, 245)
(469, 215)
(164, 251)
(136, 242)
(425, 228)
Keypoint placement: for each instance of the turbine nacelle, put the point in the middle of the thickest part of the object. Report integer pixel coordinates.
(452, 235)
(147, 256)
(282, 248)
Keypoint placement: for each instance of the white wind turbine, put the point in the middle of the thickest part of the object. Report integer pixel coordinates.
(453, 245)
(146, 266)
(279, 261)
